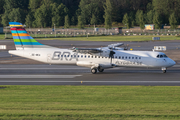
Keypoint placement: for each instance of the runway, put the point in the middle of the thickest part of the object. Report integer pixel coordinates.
(74, 75)
(16, 70)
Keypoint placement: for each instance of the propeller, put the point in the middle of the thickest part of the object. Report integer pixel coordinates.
(111, 54)
(126, 47)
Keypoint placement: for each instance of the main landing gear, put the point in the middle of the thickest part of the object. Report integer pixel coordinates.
(163, 69)
(100, 69)
(94, 70)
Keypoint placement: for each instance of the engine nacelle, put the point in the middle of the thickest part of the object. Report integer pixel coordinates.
(94, 65)
(86, 64)
(106, 66)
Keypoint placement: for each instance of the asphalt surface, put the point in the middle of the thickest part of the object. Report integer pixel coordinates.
(75, 75)
(15, 70)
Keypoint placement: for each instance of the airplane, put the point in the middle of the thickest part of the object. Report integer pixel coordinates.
(97, 59)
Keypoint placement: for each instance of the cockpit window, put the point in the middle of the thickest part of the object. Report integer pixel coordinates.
(165, 56)
(161, 56)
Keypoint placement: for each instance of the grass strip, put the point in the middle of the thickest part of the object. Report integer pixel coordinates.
(113, 38)
(106, 38)
(90, 102)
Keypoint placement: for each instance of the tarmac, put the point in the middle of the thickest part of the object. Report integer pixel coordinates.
(16, 70)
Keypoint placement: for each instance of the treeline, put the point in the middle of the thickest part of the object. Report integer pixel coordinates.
(47, 13)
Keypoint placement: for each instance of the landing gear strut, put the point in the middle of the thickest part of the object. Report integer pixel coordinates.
(93, 70)
(163, 69)
(100, 69)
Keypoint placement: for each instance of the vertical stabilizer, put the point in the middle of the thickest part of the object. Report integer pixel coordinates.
(21, 38)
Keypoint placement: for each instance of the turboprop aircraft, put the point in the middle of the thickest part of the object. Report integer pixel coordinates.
(97, 59)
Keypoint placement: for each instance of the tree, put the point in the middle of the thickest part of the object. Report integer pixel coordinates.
(55, 15)
(66, 23)
(157, 21)
(28, 20)
(93, 20)
(141, 20)
(34, 5)
(173, 21)
(5, 19)
(137, 16)
(1, 6)
(80, 22)
(126, 21)
(40, 16)
(149, 17)
(107, 16)
(73, 21)
(131, 18)
(15, 15)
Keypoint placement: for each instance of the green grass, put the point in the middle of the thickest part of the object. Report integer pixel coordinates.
(103, 38)
(90, 102)
(2, 37)
(113, 38)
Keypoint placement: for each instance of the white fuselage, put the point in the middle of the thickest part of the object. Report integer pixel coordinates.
(121, 58)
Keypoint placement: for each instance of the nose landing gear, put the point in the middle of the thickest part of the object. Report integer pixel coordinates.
(163, 69)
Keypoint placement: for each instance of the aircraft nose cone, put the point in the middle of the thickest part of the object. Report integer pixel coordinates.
(172, 62)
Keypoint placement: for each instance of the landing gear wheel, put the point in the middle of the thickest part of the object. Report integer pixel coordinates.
(100, 69)
(164, 71)
(94, 71)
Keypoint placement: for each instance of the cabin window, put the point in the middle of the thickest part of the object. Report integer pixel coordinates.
(78, 56)
(95, 56)
(132, 57)
(119, 57)
(81, 56)
(61, 55)
(139, 57)
(129, 57)
(68, 56)
(64, 55)
(91, 56)
(88, 56)
(136, 58)
(122, 57)
(126, 57)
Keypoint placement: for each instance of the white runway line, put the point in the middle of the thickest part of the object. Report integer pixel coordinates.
(38, 76)
(95, 81)
(42, 68)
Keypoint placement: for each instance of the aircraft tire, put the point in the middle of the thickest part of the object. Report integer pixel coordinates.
(93, 70)
(164, 71)
(100, 69)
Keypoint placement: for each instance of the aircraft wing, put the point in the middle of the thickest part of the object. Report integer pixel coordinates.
(115, 45)
(97, 50)
(87, 50)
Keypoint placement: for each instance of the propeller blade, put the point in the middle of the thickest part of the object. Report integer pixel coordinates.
(111, 54)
